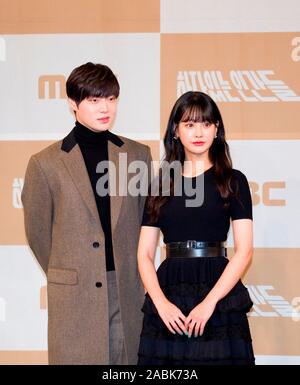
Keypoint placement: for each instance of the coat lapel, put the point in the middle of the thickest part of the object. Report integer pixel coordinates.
(74, 162)
(114, 184)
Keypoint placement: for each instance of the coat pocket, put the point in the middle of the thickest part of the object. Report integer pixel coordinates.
(62, 276)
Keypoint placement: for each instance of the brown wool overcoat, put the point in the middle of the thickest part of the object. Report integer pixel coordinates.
(64, 232)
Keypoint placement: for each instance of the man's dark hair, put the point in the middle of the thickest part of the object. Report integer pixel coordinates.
(92, 80)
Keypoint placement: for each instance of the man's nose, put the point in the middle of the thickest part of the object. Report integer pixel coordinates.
(103, 105)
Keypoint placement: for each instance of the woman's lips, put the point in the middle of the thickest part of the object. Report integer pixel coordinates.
(198, 143)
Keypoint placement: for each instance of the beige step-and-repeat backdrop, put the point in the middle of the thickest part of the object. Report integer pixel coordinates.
(245, 54)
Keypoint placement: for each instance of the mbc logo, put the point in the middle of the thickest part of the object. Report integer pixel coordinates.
(54, 86)
(263, 194)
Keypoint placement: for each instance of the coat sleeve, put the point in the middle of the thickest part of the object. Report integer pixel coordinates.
(38, 208)
(147, 180)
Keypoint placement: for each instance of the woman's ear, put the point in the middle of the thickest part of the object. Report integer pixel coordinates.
(175, 132)
(217, 126)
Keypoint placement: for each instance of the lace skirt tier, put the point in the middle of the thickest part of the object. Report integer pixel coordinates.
(226, 339)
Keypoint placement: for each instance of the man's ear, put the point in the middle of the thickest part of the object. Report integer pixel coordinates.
(73, 104)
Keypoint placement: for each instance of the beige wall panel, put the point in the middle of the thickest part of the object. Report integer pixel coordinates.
(265, 108)
(80, 16)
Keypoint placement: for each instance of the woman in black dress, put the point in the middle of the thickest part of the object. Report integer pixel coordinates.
(195, 306)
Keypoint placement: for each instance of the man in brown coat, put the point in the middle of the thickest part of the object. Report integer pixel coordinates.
(86, 240)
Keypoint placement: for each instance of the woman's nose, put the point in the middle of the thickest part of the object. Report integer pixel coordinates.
(199, 130)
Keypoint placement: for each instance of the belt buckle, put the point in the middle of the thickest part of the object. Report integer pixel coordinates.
(191, 244)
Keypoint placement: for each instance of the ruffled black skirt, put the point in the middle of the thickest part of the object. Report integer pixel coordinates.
(226, 339)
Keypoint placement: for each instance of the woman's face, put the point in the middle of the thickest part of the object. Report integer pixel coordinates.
(196, 137)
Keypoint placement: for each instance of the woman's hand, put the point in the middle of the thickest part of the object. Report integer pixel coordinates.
(198, 317)
(172, 317)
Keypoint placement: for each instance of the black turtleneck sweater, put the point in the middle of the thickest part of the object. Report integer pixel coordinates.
(94, 149)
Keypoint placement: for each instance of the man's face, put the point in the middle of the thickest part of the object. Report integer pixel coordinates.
(96, 113)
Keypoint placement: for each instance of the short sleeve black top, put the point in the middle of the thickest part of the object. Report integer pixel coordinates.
(209, 221)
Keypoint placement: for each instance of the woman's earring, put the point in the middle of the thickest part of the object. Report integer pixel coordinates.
(216, 135)
(175, 138)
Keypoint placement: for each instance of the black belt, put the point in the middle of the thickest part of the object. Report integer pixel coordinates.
(196, 249)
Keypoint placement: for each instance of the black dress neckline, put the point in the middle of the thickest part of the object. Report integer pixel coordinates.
(199, 175)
